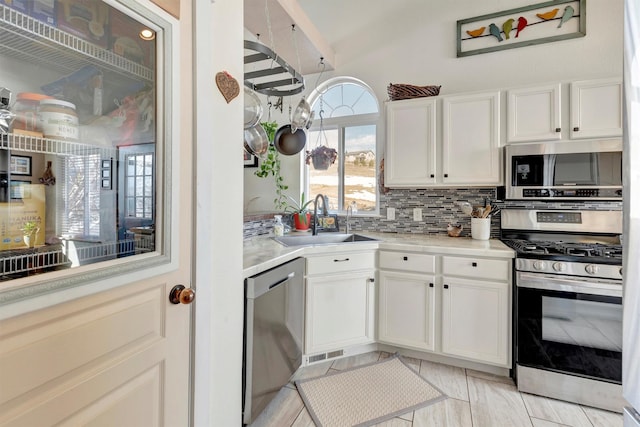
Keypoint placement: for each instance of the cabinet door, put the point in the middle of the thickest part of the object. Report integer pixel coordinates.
(534, 114)
(406, 310)
(410, 158)
(596, 108)
(475, 320)
(471, 140)
(339, 311)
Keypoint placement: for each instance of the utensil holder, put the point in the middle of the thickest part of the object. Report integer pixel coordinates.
(480, 228)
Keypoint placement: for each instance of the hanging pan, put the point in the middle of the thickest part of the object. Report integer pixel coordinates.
(288, 142)
(256, 141)
(252, 108)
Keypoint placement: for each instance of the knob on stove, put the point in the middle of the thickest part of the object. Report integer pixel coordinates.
(559, 266)
(539, 265)
(591, 269)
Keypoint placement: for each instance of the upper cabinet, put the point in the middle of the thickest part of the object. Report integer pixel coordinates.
(411, 143)
(535, 113)
(471, 140)
(596, 108)
(463, 150)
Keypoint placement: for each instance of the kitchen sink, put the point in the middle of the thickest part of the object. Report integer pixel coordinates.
(323, 239)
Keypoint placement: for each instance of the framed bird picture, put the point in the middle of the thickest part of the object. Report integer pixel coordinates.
(524, 26)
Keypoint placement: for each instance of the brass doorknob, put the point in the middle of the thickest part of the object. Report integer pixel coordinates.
(181, 295)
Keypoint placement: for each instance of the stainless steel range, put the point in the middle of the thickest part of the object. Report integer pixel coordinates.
(567, 304)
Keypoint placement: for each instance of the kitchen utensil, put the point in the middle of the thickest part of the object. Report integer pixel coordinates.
(486, 212)
(256, 141)
(288, 142)
(252, 108)
(301, 115)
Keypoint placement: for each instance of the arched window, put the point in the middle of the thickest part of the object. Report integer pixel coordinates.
(346, 117)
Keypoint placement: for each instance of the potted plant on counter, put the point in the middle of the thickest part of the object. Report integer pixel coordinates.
(30, 230)
(301, 215)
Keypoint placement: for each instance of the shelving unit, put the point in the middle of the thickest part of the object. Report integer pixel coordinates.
(34, 144)
(28, 39)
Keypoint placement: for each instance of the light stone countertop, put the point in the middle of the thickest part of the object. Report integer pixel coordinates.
(262, 253)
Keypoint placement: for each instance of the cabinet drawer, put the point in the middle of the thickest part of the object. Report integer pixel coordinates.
(336, 263)
(477, 268)
(407, 261)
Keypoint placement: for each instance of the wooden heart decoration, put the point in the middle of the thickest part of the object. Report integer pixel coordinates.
(228, 86)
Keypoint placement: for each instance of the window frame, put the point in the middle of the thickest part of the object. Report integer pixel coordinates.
(340, 123)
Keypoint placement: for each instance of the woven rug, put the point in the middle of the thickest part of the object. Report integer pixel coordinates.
(367, 394)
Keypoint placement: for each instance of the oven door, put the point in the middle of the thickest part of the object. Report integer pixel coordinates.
(569, 325)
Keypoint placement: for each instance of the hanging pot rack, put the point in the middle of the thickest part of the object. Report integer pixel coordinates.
(272, 75)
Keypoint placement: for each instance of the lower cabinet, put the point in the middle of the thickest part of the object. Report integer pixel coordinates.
(458, 307)
(475, 320)
(340, 295)
(407, 309)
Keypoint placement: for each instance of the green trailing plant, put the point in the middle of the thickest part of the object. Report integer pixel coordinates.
(270, 165)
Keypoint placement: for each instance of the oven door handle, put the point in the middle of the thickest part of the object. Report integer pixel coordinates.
(552, 282)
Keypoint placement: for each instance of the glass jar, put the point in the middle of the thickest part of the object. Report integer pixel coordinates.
(26, 110)
(58, 119)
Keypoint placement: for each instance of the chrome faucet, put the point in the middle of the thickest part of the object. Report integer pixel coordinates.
(314, 228)
(347, 228)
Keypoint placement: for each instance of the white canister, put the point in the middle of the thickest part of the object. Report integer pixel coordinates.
(58, 119)
(480, 228)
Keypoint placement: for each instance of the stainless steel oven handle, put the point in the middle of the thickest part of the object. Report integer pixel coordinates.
(552, 282)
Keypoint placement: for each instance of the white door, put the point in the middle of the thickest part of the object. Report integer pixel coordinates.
(534, 114)
(596, 108)
(101, 344)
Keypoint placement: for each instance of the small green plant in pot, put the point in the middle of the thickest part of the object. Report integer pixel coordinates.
(301, 215)
(322, 157)
(29, 231)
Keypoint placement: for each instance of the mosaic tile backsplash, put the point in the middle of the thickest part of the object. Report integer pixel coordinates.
(438, 209)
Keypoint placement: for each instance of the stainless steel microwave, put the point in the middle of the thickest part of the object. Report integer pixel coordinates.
(564, 170)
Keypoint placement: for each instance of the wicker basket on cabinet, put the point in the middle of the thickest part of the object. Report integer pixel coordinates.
(405, 91)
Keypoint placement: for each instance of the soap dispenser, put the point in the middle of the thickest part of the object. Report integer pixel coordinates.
(278, 227)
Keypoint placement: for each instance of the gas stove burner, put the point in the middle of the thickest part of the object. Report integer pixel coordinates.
(567, 249)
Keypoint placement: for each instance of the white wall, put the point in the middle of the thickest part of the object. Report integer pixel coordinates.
(417, 45)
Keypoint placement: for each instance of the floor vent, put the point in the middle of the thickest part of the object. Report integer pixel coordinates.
(317, 358)
(335, 354)
(324, 356)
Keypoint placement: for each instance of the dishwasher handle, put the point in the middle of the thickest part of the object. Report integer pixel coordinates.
(280, 282)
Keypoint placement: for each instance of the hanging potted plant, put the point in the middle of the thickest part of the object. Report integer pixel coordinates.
(321, 157)
(300, 213)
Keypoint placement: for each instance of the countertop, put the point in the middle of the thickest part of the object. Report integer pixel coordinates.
(262, 253)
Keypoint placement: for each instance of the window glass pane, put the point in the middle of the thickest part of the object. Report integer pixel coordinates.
(346, 99)
(327, 181)
(360, 167)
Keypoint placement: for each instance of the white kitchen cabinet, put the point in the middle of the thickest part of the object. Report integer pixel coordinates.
(340, 301)
(449, 305)
(476, 308)
(406, 309)
(468, 153)
(534, 114)
(475, 320)
(471, 140)
(596, 108)
(410, 158)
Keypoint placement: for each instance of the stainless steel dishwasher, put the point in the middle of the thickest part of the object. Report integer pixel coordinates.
(273, 334)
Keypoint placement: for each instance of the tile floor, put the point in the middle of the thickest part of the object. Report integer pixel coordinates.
(476, 399)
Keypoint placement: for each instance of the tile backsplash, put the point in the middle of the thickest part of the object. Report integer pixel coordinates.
(438, 209)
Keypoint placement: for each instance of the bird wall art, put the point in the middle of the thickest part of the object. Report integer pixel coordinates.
(540, 23)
